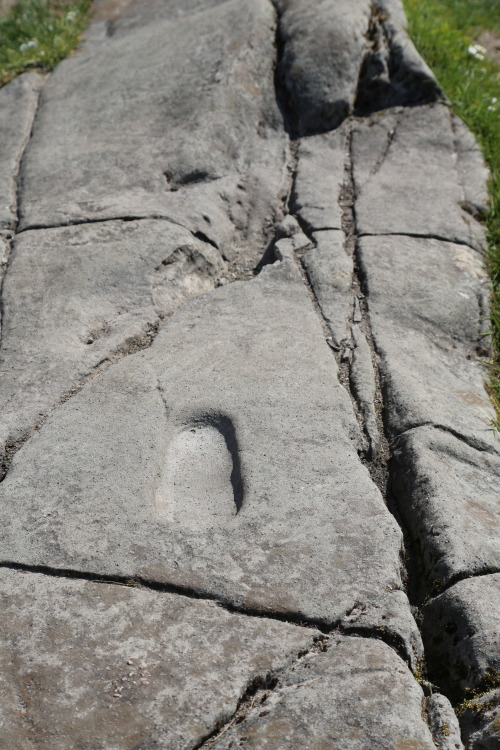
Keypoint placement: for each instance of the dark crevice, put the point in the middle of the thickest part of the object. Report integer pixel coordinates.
(283, 97)
(376, 456)
(268, 256)
(387, 76)
(391, 136)
(132, 345)
(390, 637)
(257, 692)
(471, 442)
(412, 563)
(486, 570)
(323, 626)
(380, 466)
(342, 363)
(102, 220)
(203, 238)
(424, 236)
(292, 618)
(195, 177)
(280, 232)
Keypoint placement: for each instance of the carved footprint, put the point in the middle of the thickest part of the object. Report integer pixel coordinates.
(202, 483)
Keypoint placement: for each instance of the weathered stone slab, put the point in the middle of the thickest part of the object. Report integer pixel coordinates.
(348, 57)
(448, 497)
(111, 667)
(319, 179)
(357, 695)
(472, 169)
(406, 179)
(393, 73)
(462, 634)
(189, 131)
(443, 723)
(434, 286)
(75, 297)
(222, 460)
(322, 56)
(330, 271)
(480, 722)
(18, 102)
(426, 332)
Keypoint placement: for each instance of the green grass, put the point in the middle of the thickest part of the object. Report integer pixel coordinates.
(442, 30)
(39, 34)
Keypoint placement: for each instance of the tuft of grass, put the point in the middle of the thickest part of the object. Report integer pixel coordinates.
(39, 34)
(444, 31)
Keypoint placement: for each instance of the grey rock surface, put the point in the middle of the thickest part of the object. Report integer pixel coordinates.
(329, 269)
(426, 332)
(18, 103)
(447, 494)
(347, 57)
(462, 634)
(357, 695)
(400, 192)
(77, 297)
(443, 723)
(472, 169)
(321, 60)
(480, 722)
(203, 146)
(215, 334)
(215, 477)
(319, 179)
(104, 666)
(393, 73)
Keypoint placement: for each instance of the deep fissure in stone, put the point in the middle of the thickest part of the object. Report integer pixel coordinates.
(385, 78)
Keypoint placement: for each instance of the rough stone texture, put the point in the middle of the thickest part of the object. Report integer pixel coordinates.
(203, 146)
(400, 192)
(74, 297)
(18, 101)
(330, 270)
(426, 332)
(321, 60)
(462, 634)
(318, 181)
(363, 385)
(443, 723)
(108, 667)
(472, 169)
(271, 501)
(346, 57)
(393, 73)
(480, 722)
(448, 496)
(357, 695)
(230, 460)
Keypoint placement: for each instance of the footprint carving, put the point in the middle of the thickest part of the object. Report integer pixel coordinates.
(202, 484)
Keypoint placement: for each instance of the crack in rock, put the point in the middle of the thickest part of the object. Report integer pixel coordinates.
(392, 72)
(257, 693)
